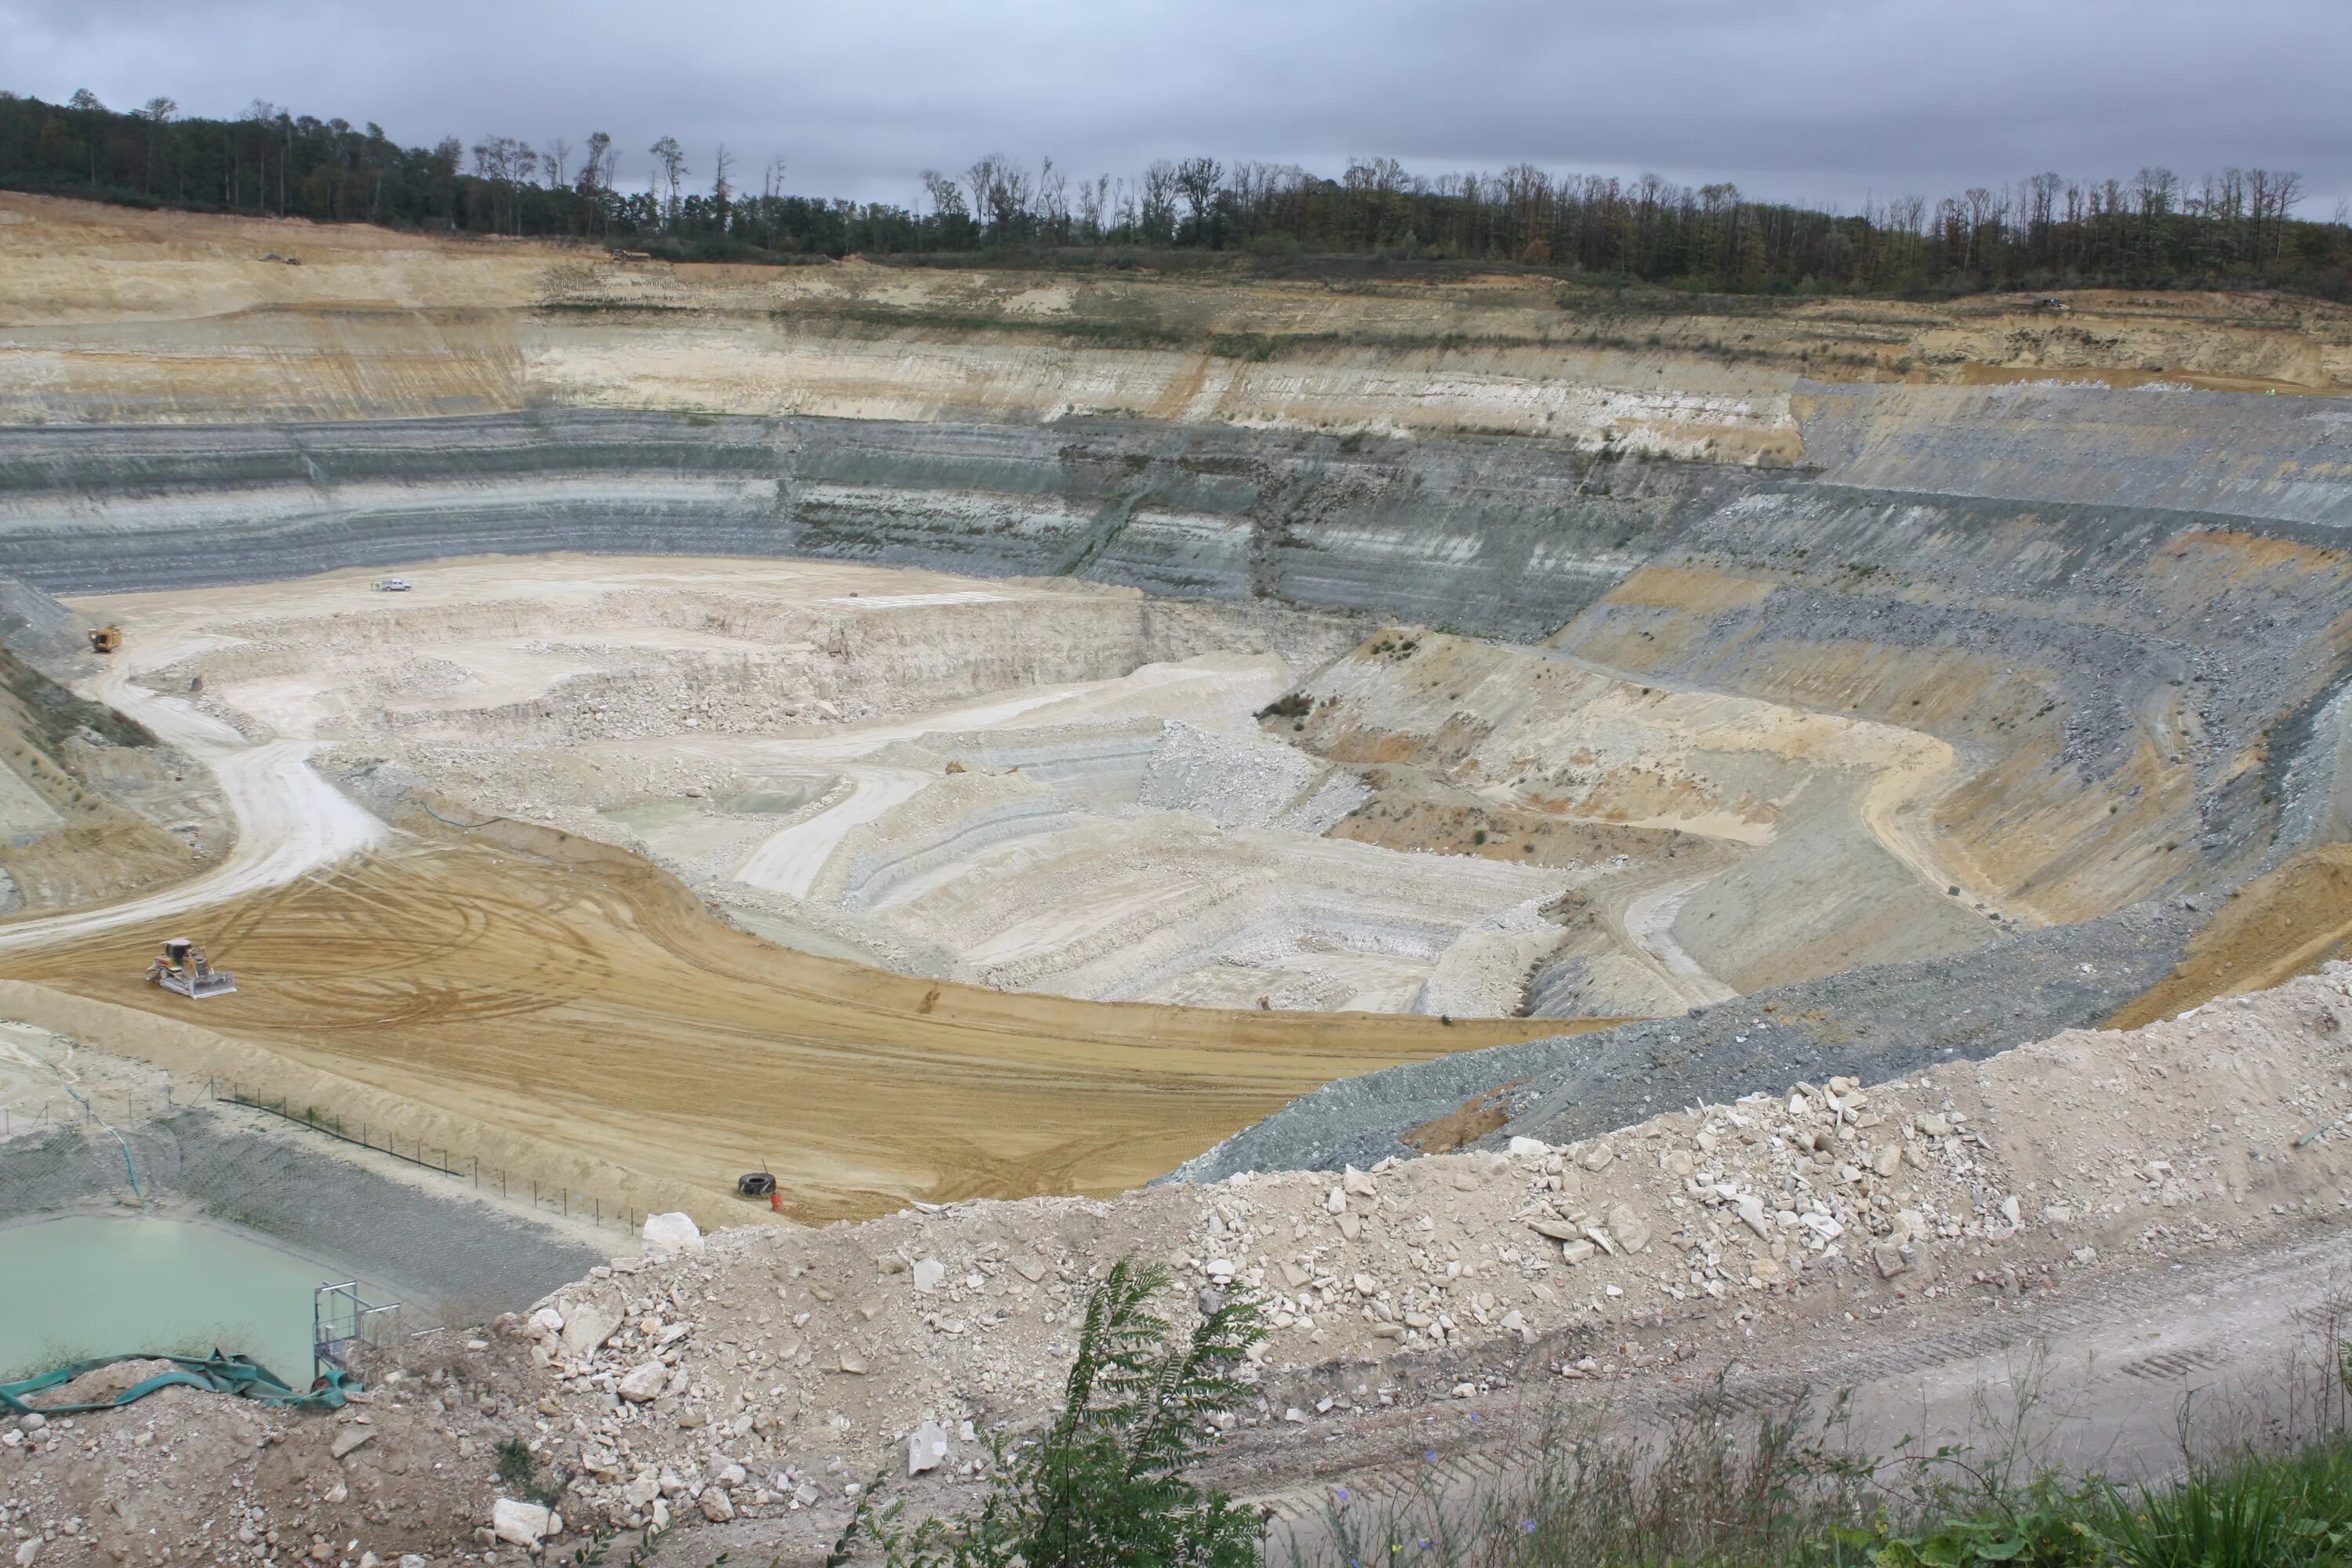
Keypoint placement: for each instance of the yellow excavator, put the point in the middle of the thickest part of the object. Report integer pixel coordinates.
(105, 639)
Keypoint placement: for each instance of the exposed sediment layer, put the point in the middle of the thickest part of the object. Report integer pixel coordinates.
(2088, 589)
(1496, 536)
(2134, 698)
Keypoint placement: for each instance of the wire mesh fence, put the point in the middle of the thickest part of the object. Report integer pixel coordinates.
(122, 1116)
(546, 1196)
(453, 1252)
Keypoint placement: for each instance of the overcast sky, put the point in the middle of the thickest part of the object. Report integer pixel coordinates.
(1820, 100)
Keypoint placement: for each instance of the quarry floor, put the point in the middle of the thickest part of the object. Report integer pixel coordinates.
(903, 884)
(516, 974)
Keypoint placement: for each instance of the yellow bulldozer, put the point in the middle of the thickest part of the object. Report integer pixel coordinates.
(182, 966)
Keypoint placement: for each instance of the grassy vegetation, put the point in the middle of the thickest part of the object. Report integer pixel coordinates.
(48, 713)
(1768, 1496)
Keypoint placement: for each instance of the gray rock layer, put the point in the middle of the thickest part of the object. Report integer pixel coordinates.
(2064, 540)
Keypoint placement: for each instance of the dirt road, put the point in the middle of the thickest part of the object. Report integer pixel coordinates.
(289, 821)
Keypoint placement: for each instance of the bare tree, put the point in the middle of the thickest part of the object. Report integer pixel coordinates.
(1155, 214)
(1053, 205)
(1094, 202)
(506, 165)
(596, 180)
(945, 198)
(554, 161)
(1001, 193)
(1980, 210)
(672, 170)
(157, 112)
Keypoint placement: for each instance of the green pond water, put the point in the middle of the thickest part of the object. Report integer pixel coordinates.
(91, 1285)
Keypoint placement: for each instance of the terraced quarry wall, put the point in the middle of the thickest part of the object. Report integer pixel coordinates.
(1492, 535)
(1864, 637)
(950, 736)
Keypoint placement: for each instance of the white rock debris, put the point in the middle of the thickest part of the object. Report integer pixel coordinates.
(804, 1351)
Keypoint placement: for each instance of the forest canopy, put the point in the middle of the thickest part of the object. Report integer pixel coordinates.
(2233, 229)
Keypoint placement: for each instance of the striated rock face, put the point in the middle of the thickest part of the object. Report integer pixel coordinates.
(1963, 685)
(2118, 608)
(1496, 536)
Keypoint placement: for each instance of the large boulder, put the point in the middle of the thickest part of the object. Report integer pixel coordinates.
(523, 1524)
(643, 1384)
(667, 1233)
(588, 1327)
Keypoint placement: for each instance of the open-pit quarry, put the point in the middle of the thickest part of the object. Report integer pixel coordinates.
(1577, 841)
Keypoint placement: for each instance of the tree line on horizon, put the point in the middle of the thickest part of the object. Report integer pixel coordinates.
(2233, 229)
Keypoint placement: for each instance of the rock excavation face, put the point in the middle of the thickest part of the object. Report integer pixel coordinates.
(1726, 729)
(1590, 838)
(1458, 653)
(2164, 1200)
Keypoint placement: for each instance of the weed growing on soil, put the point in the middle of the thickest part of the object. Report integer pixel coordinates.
(518, 1473)
(1106, 1482)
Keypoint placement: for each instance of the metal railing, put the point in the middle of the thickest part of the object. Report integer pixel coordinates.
(342, 1322)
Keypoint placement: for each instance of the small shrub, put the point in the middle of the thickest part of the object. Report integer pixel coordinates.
(1290, 705)
(600, 1547)
(1104, 1484)
(518, 1473)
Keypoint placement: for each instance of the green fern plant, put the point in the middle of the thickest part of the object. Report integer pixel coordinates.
(1104, 1484)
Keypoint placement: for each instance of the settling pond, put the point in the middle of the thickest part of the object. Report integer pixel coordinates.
(91, 1285)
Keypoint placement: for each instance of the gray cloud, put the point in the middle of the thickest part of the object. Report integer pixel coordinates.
(1825, 101)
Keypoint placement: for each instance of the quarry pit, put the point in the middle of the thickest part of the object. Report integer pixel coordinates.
(1040, 781)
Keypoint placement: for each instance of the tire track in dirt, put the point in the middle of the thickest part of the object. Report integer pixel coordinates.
(572, 991)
